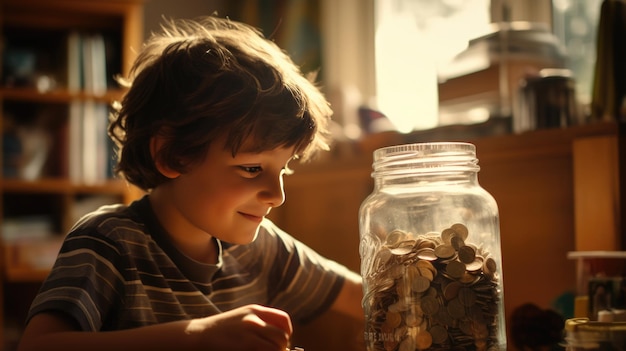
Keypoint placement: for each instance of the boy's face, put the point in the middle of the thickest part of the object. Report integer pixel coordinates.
(227, 197)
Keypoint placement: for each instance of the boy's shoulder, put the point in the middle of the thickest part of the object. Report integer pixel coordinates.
(110, 220)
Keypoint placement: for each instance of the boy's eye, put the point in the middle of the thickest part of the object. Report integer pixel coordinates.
(251, 169)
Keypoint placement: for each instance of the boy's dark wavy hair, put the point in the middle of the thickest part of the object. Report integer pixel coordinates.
(201, 79)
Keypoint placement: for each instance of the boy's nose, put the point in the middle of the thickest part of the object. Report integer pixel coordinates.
(274, 192)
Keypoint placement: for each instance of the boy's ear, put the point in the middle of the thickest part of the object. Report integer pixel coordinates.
(156, 142)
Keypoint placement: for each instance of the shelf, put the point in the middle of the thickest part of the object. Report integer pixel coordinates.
(50, 38)
(25, 275)
(62, 186)
(56, 96)
(29, 260)
(109, 14)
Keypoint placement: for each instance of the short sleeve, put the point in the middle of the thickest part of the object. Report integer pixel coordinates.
(84, 283)
(304, 282)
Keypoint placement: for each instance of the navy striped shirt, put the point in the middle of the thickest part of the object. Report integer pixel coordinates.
(117, 270)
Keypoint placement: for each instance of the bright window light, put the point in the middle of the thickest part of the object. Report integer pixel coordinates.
(413, 38)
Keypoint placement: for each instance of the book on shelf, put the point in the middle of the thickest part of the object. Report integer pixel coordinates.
(29, 242)
(89, 150)
(74, 148)
(86, 63)
(34, 227)
(74, 62)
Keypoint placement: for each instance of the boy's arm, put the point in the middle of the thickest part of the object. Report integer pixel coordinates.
(245, 328)
(348, 301)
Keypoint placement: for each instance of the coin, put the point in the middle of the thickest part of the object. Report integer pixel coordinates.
(451, 290)
(456, 309)
(395, 237)
(427, 273)
(420, 286)
(455, 269)
(468, 278)
(427, 254)
(489, 266)
(447, 234)
(393, 319)
(460, 229)
(390, 345)
(401, 250)
(427, 244)
(423, 264)
(412, 272)
(408, 344)
(466, 326)
(467, 296)
(457, 242)
(413, 319)
(429, 305)
(444, 251)
(475, 265)
(423, 340)
(444, 318)
(383, 256)
(466, 254)
(438, 334)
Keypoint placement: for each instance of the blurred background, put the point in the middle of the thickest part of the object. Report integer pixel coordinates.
(527, 81)
(394, 56)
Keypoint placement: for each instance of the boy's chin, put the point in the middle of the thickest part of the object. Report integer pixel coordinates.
(244, 239)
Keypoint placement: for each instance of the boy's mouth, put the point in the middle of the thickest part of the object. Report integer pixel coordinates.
(252, 217)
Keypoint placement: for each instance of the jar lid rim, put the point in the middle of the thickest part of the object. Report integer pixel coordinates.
(425, 148)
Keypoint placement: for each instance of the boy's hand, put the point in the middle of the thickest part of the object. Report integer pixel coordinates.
(251, 327)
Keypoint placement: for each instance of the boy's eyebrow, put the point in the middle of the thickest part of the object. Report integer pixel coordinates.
(254, 149)
(249, 150)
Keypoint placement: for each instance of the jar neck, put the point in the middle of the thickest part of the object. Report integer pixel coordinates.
(445, 163)
(431, 179)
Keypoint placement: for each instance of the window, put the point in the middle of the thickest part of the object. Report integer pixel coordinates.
(413, 39)
(575, 24)
(386, 54)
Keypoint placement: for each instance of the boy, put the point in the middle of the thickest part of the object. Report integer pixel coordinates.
(213, 115)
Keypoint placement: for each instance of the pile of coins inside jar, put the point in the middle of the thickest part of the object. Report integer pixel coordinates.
(431, 292)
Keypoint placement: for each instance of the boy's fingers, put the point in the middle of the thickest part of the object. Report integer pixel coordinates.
(277, 318)
(268, 332)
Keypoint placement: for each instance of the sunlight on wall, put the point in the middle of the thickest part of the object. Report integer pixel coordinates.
(413, 38)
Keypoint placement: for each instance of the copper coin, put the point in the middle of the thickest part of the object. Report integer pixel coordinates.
(457, 242)
(423, 340)
(439, 334)
(455, 269)
(467, 296)
(444, 251)
(460, 229)
(420, 284)
(451, 290)
(456, 309)
(429, 305)
(467, 254)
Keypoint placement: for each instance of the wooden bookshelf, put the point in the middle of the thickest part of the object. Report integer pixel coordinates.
(29, 94)
(37, 91)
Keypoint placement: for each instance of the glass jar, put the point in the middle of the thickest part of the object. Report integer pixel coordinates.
(430, 252)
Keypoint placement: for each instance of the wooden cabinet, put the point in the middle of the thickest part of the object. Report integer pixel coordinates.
(59, 58)
(558, 190)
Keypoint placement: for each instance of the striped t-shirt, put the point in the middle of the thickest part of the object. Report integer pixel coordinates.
(117, 270)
